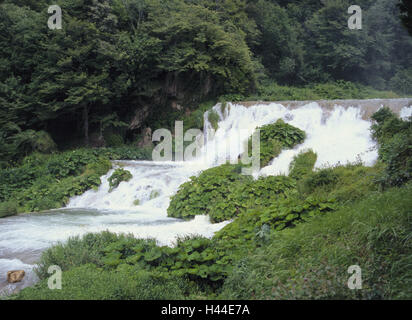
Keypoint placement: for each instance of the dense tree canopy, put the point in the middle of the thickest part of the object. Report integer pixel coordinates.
(114, 59)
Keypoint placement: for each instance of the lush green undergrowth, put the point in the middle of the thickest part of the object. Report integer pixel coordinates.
(271, 91)
(44, 182)
(311, 260)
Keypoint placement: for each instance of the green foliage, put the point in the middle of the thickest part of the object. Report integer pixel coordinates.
(284, 213)
(302, 164)
(213, 118)
(192, 258)
(310, 261)
(274, 138)
(48, 181)
(7, 209)
(395, 139)
(118, 176)
(344, 183)
(402, 82)
(207, 194)
(270, 91)
(89, 282)
(286, 134)
(113, 140)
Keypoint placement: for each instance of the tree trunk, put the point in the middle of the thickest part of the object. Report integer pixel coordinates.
(86, 125)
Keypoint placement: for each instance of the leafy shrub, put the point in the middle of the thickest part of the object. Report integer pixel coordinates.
(397, 154)
(223, 193)
(325, 177)
(344, 183)
(192, 258)
(44, 182)
(394, 137)
(275, 137)
(113, 140)
(8, 209)
(302, 164)
(402, 81)
(208, 194)
(282, 214)
(119, 175)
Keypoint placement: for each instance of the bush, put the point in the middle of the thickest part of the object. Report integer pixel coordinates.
(193, 258)
(118, 176)
(402, 82)
(394, 137)
(113, 140)
(302, 164)
(275, 137)
(208, 194)
(8, 209)
(344, 183)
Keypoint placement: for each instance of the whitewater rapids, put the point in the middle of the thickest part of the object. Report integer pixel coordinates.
(337, 135)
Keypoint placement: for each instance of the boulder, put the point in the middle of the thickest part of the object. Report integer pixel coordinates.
(15, 276)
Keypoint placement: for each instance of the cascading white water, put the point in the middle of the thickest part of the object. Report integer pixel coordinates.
(337, 135)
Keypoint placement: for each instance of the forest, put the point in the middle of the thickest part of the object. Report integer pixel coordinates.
(119, 66)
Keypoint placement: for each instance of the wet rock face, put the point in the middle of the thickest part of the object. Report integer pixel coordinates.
(15, 276)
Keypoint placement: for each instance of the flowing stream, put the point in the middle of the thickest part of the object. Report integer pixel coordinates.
(338, 135)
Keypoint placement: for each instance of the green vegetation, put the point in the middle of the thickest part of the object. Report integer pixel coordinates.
(271, 91)
(395, 139)
(45, 182)
(311, 260)
(208, 194)
(302, 164)
(7, 209)
(119, 175)
(163, 60)
(88, 282)
(274, 138)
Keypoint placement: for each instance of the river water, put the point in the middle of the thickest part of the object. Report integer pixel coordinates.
(337, 135)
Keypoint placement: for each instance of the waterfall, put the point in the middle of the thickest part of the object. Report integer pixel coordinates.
(338, 134)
